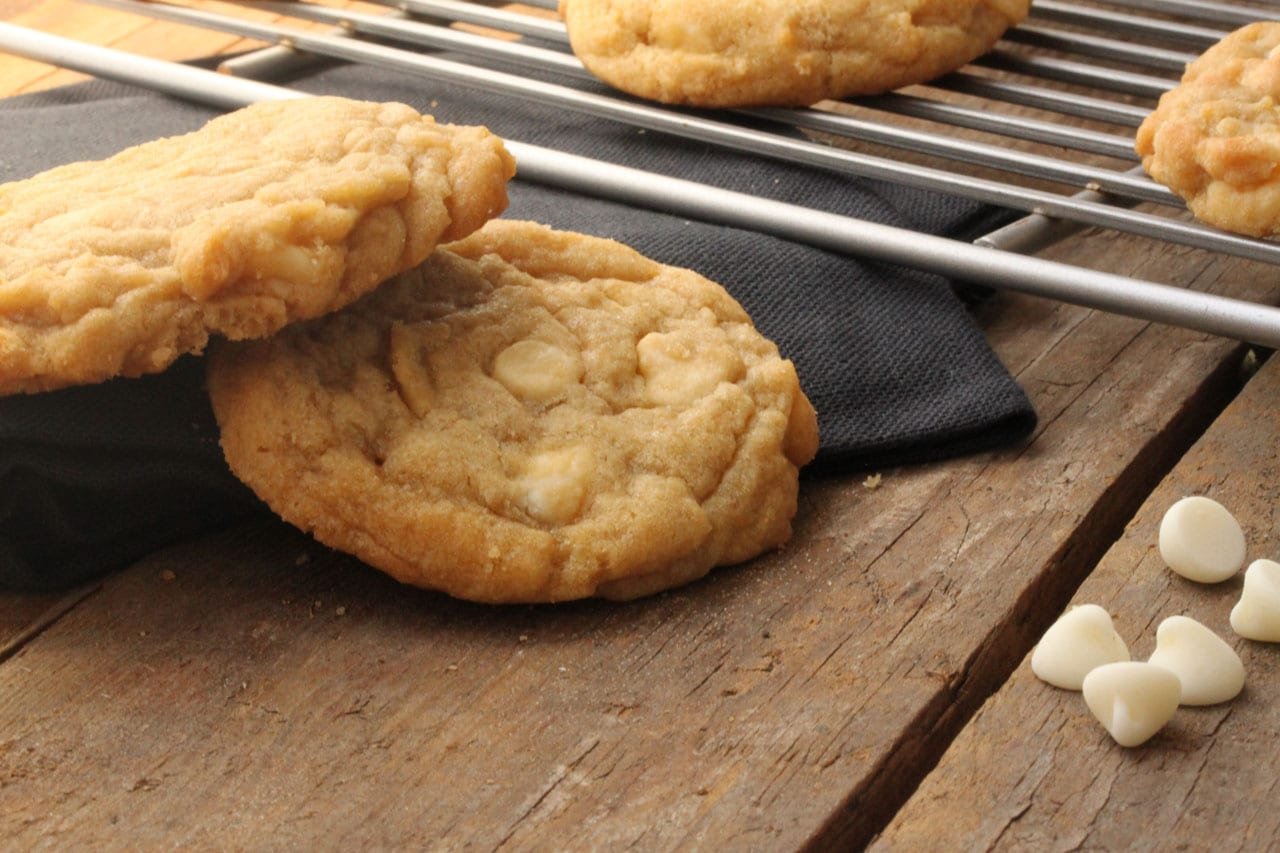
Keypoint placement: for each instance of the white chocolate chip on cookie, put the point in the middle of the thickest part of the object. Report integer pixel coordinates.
(408, 349)
(537, 370)
(555, 483)
(684, 366)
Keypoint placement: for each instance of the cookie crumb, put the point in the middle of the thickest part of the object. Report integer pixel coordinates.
(340, 611)
(873, 482)
(168, 575)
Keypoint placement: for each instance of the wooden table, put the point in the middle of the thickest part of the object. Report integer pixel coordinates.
(868, 685)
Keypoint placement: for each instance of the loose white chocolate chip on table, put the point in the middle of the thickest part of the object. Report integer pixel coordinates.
(1133, 700)
(1200, 540)
(1257, 615)
(1081, 639)
(537, 370)
(1210, 670)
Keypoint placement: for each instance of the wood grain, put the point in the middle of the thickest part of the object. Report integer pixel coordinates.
(125, 31)
(795, 700)
(1035, 771)
(252, 685)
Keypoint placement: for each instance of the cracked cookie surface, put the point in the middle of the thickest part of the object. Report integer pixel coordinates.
(529, 416)
(274, 213)
(1214, 139)
(726, 53)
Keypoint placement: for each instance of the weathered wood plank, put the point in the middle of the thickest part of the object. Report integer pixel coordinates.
(62, 17)
(792, 700)
(133, 33)
(24, 614)
(798, 699)
(1034, 770)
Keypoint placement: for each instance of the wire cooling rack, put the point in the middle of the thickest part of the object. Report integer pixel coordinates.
(1043, 124)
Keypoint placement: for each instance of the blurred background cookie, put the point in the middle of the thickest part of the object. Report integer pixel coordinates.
(724, 53)
(531, 415)
(1214, 139)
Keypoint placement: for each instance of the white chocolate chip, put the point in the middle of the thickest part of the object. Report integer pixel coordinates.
(537, 370)
(410, 347)
(681, 367)
(554, 484)
(1132, 700)
(1210, 670)
(1083, 638)
(1257, 615)
(1200, 540)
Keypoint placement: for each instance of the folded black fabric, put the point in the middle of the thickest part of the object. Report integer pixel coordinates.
(94, 477)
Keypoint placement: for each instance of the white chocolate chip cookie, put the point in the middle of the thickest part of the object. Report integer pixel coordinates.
(529, 416)
(1214, 139)
(278, 212)
(727, 53)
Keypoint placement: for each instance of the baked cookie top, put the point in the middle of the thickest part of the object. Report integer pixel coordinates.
(273, 213)
(529, 416)
(726, 53)
(1214, 139)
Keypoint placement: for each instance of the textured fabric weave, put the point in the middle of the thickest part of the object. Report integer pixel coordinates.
(92, 478)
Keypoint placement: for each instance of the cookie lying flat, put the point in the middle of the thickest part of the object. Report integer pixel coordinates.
(270, 214)
(529, 416)
(725, 53)
(1215, 138)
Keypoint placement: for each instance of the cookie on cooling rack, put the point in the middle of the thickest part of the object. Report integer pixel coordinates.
(1214, 139)
(529, 416)
(724, 53)
(274, 213)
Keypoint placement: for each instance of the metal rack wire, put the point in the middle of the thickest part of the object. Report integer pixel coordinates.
(1006, 130)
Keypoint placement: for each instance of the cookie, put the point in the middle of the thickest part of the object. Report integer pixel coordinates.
(274, 213)
(725, 53)
(1214, 139)
(529, 416)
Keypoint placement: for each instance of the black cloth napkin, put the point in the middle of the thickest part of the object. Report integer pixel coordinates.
(92, 478)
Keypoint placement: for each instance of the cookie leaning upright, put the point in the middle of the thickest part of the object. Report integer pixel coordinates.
(730, 53)
(274, 213)
(529, 416)
(1214, 139)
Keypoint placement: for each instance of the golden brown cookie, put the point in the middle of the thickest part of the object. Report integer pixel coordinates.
(529, 416)
(1215, 138)
(729, 53)
(274, 213)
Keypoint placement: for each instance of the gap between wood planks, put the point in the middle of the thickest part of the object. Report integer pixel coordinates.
(873, 804)
(60, 607)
